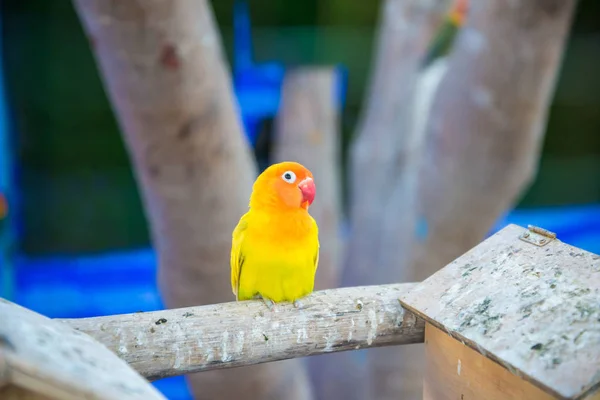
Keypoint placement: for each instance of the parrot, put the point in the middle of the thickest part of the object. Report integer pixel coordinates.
(443, 41)
(275, 245)
(3, 206)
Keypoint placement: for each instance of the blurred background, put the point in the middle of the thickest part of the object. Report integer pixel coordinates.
(75, 239)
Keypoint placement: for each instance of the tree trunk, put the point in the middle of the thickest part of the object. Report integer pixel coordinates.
(164, 71)
(483, 138)
(381, 155)
(307, 131)
(384, 143)
(487, 124)
(391, 378)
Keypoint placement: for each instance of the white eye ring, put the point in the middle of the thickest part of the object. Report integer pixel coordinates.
(289, 177)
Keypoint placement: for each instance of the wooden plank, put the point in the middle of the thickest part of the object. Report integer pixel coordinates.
(53, 360)
(534, 309)
(180, 341)
(12, 392)
(455, 371)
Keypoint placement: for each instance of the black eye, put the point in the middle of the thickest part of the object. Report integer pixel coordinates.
(289, 176)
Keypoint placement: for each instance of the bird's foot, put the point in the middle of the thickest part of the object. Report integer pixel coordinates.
(298, 304)
(269, 303)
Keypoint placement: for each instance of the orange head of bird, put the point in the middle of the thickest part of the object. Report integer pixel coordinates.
(3, 206)
(286, 185)
(458, 12)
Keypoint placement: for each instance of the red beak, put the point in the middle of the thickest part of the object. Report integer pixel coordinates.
(308, 189)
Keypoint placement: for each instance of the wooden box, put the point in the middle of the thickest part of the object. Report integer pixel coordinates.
(517, 317)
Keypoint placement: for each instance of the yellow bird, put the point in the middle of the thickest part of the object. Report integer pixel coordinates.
(275, 245)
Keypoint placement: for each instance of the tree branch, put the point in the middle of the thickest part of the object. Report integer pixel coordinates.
(385, 146)
(307, 131)
(483, 137)
(486, 125)
(173, 342)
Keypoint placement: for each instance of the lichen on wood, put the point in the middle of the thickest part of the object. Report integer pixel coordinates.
(533, 309)
(165, 343)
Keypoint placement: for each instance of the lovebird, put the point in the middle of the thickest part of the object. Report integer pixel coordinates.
(275, 245)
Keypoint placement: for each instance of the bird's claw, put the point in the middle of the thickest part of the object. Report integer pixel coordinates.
(269, 303)
(298, 304)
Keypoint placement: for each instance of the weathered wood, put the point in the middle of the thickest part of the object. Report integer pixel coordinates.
(307, 131)
(50, 360)
(164, 70)
(455, 371)
(12, 392)
(593, 395)
(175, 342)
(532, 309)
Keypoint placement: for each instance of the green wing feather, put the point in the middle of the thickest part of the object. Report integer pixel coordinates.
(237, 255)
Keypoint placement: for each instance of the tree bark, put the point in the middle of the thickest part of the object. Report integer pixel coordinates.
(384, 141)
(164, 71)
(391, 378)
(487, 124)
(307, 131)
(483, 135)
(381, 159)
(173, 342)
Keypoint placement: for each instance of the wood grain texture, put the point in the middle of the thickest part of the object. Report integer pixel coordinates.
(12, 392)
(593, 395)
(47, 358)
(175, 342)
(534, 310)
(455, 371)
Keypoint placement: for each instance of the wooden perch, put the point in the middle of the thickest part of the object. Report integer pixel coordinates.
(307, 131)
(180, 341)
(44, 359)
